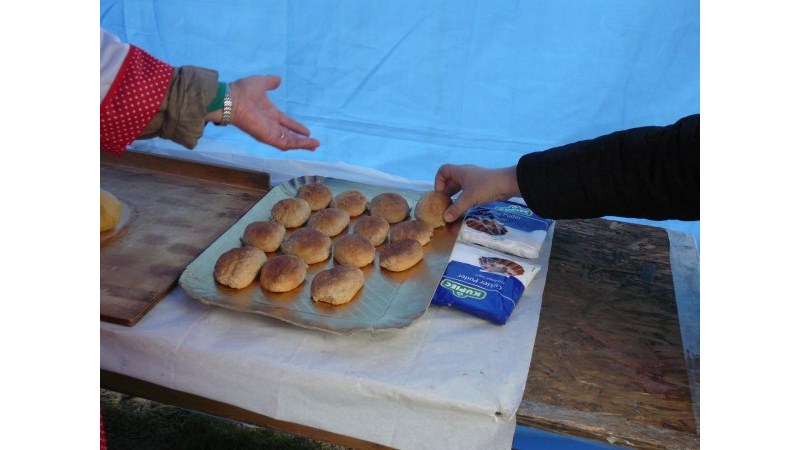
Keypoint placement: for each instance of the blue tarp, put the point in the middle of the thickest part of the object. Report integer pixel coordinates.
(404, 86)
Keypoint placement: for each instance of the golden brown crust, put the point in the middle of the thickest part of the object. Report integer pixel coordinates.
(308, 244)
(401, 255)
(353, 250)
(392, 207)
(283, 273)
(317, 195)
(337, 285)
(375, 229)
(352, 201)
(266, 235)
(411, 229)
(110, 210)
(238, 267)
(330, 221)
(430, 208)
(291, 212)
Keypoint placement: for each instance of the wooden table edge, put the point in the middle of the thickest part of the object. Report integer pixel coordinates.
(132, 386)
(606, 428)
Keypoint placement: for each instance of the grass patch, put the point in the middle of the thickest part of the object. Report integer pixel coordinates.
(136, 423)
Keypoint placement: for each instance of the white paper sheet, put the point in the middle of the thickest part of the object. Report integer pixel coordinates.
(450, 380)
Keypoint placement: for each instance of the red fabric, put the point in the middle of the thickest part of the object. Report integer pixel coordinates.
(133, 99)
(102, 434)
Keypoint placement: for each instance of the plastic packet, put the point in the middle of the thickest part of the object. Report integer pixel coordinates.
(493, 260)
(506, 226)
(484, 282)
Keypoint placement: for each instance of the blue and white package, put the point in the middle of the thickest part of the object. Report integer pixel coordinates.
(506, 226)
(483, 282)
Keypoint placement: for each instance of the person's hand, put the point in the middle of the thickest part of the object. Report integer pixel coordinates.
(254, 113)
(478, 185)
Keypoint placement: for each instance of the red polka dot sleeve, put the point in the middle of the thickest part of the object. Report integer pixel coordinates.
(133, 99)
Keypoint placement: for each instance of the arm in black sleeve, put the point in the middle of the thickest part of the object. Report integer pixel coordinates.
(649, 173)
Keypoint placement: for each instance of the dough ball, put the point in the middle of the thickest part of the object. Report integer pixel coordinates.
(411, 229)
(372, 228)
(392, 207)
(354, 202)
(317, 195)
(430, 208)
(330, 221)
(110, 210)
(398, 256)
(308, 244)
(291, 212)
(337, 285)
(238, 267)
(282, 273)
(353, 250)
(266, 235)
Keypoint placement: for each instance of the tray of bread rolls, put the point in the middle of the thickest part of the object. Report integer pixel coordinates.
(329, 254)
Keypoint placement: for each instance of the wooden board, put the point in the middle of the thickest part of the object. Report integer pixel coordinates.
(175, 209)
(608, 363)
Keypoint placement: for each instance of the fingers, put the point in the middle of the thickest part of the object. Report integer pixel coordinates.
(293, 125)
(448, 179)
(442, 175)
(304, 143)
(289, 140)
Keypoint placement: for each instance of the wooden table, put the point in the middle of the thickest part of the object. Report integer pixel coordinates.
(609, 362)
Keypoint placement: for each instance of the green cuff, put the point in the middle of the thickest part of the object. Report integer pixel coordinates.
(217, 102)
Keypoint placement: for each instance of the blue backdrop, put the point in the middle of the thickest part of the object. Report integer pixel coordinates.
(404, 86)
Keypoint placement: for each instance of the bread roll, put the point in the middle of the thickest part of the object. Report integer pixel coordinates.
(317, 195)
(238, 267)
(337, 285)
(266, 235)
(308, 244)
(291, 212)
(398, 256)
(392, 207)
(372, 228)
(354, 202)
(282, 273)
(330, 221)
(353, 250)
(430, 208)
(110, 210)
(411, 229)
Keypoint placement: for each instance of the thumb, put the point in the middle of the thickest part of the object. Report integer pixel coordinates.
(271, 82)
(457, 209)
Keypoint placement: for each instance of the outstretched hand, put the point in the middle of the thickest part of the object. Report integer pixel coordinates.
(256, 115)
(478, 185)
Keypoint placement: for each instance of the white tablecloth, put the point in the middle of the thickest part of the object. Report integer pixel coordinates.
(450, 380)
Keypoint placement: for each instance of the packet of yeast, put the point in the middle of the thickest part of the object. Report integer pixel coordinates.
(483, 282)
(506, 226)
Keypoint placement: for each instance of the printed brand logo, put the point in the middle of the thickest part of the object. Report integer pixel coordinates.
(463, 291)
(516, 209)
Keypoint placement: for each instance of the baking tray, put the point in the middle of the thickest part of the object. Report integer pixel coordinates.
(388, 300)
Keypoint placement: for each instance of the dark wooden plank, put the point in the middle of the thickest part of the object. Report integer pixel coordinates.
(608, 362)
(191, 169)
(176, 210)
